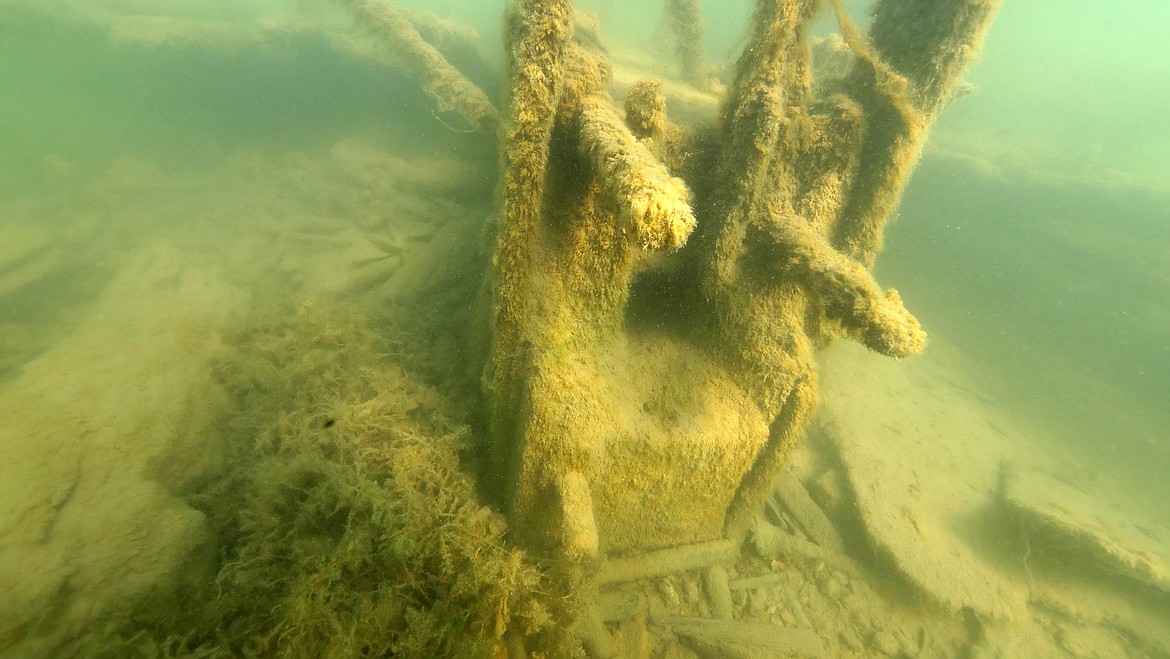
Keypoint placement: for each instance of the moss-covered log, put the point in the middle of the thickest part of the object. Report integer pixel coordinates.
(447, 87)
(686, 19)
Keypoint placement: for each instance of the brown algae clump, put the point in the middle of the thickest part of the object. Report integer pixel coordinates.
(357, 531)
(348, 525)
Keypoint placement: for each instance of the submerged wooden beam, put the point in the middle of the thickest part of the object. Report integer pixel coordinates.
(667, 561)
(686, 18)
(734, 639)
(442, 82)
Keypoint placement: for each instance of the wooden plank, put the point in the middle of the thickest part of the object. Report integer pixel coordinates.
(732, 639)
(668, 561)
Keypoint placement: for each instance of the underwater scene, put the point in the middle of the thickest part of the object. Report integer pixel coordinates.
(540, 328)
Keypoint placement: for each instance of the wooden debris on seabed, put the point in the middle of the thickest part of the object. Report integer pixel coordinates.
(763, 580)
(730, 639)
(634, 639)
(795, 499)
(772, 542)
(828, 491)
(617, 605)
(1091, 528)
(595, 636)
(922, 461)
(716, 583)
(668, 561)
(792, 603)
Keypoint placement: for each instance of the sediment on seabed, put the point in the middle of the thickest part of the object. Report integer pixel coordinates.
(358, 397)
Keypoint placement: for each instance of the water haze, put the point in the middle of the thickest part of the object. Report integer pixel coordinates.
(235, 155)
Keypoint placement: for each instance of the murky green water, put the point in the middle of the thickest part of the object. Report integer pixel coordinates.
(175, 175)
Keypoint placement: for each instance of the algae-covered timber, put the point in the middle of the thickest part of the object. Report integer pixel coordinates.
(657, 290)
(654, 317)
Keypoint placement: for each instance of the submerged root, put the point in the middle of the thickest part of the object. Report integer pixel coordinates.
(646, 110)
(686, 18)
(449, 88)
(654, 204)
(846, 290)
